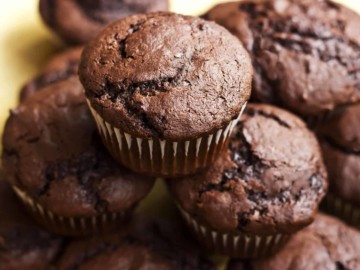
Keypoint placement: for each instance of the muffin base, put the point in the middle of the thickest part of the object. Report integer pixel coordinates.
(342, 209)
(238, 245)
(158, 157)
(73, 226)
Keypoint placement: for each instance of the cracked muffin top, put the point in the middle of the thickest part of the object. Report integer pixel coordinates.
(52, 151)
(60, 67)
(166, 76)
(23, 245)
(325, 244)
(150, 244)
(270, 180)
(86, 18)
(340, 142)
(306, 53)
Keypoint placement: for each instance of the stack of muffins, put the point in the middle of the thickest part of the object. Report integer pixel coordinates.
(181, 98)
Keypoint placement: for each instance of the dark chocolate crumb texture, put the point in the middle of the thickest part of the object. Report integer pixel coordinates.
(53, 153)
(305, 52)
(270, 181)
(166, 76)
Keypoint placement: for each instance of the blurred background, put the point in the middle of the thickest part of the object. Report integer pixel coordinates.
(26, 44)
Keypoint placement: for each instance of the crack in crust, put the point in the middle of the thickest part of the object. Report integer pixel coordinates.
(307, 41)
(249, 171)
(122, 42)
(253, 112)
(54, 154)
(88, 169)
(315, 39)
(125, 90)
(249, 165)
(324, 40)
(126, 93)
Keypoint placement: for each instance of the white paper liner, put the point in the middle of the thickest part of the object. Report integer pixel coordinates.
(162, 157)
(341, 208)
(236, 245)
(69, 225)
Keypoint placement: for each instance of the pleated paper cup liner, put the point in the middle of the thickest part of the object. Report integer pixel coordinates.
(73, 226)
(342, 209)
(235, 245)
(158, 157)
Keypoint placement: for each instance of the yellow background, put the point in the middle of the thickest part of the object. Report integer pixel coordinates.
(26, 44)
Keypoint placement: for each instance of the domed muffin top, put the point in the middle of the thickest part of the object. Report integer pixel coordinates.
(305, 52)
(86, 18)
(271, 179)
(167, 76)
(53, 153)
(61, 67)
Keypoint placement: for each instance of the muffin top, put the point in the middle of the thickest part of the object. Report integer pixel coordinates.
(305, 52)
(52, 152)
(22, 244)
(340, 142)
(343, 128)
(166, 76)
(150, 244)
(326, 244)
(270, 180)
(86, 18)
(60, 67)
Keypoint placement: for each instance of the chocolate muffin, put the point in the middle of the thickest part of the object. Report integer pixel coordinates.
(305, 52)
(266, 187)
(155, 244)
(326, 244)
(56, 163)
(86, 18)
(166, 90)
(340, 142)
(60, 67)
(23, 245)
